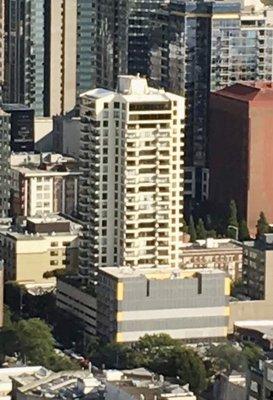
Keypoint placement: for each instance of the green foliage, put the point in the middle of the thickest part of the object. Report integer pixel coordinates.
(201, 232)
(55, 273)
(192, 231)
(262, 225)
(226, 357)
(252, 353)
(185, 227)
(212, 234)
(33, 341)
(159, 353)
(232, 217)
(243, 231)
(232, 222)
(36, 343)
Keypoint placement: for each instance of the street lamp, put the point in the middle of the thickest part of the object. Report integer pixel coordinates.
(236, 230)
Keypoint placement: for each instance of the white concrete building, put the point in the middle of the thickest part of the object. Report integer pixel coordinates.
(131, 159)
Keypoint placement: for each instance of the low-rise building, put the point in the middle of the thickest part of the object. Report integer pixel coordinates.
(7, 374)
(223, 254)
(33, 383)
(255, 331)
(260, 381)
(43, 184)
(129, 303)
(45, 244)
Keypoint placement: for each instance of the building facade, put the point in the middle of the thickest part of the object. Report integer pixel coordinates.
(131, 160)
(223, 254)
(46, 245)
(40, 59)
(21, 127)
(241, 123)
(198, 47)
(37, 191)
(132, 303)
(260, 381)
(4, 164)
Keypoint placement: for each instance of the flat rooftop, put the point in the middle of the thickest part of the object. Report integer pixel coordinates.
(264, 327)
(212, 245)
(34, 171)
(157, 273)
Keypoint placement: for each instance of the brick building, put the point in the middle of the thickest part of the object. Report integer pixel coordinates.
(241, 149)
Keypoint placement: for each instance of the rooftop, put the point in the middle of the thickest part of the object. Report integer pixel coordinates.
(265, 327)
(156, 273)
(9, 107)
(248, 91)
(133, 89)
(213, 244)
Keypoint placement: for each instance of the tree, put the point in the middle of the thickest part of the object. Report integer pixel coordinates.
(185, 226)
(201, 232)
(243, 231)
(192, 231)
(252, 353)
(262, 225)
(232, 220)
(225, 357)
(36, 343)
(181, 362)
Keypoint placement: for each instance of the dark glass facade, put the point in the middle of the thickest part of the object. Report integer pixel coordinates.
(21, 127)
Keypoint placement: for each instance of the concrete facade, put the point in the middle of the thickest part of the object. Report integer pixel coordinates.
(42, 248)
(49, 187)
(241, 126)
(4, 164)
(131, 303)
(131, 159)
(260, 381)
(40, 52)
(223, 254)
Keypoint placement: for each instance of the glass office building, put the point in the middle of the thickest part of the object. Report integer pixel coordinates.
(197, 47)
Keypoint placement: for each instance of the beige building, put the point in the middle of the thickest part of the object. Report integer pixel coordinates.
(223, 254)
(46, 245)
(43, 184)
(63, 56)
(131, 189)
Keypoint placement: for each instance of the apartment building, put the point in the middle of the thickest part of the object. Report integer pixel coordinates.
(131, 160)
(43, 185)
(40, 67)
(4, 164)
(223, 254)
(260, 381)
(46, 244)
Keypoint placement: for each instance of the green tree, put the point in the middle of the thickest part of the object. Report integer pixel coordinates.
(226, 357)
(252, 354)
(262, 225)
(192, 231)
(185, 226)
(232, 220)
(243, 231)
(182, 362)
(36, 343)
(201, 232)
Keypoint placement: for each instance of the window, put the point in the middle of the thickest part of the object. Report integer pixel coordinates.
(66, 243)
(116, 104)
(54, 244)
(53, 253)
(53, 262)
